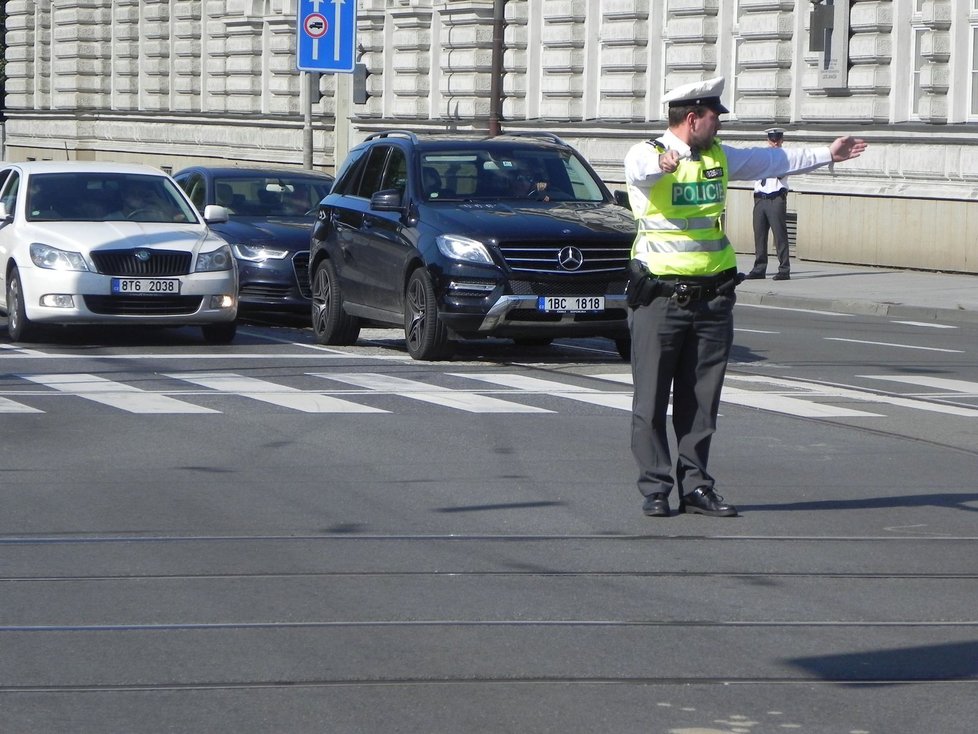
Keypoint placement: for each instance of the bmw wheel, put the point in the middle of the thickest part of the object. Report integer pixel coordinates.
(425, 333)
(19, 327)
(330, 322)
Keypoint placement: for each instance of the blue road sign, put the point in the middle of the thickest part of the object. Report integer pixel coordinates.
(326, 34)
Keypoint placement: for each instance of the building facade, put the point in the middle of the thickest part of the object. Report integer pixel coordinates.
(175, 82)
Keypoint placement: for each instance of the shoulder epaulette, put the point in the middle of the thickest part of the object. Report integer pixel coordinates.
(657, 144)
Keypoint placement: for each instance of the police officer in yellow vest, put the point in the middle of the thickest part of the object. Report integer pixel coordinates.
(681, 290)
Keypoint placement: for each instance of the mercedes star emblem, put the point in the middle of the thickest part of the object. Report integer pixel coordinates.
(570, 258)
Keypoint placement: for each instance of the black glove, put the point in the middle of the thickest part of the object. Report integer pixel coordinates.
(643, 286)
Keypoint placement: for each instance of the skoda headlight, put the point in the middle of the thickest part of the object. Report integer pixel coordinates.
(463, 248)
(51, 258)
(258, 253)
(219, 259)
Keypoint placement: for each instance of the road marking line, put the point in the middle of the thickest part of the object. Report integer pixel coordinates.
(888, 344)
(741, 304)
(115, 394)
(268, 392)
(791, 406)
(968, 389)
(830, 391)
(923, 323)
(12, 406)
(621, 401)
(459, 399)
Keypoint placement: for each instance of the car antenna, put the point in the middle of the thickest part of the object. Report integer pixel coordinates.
(67, 155)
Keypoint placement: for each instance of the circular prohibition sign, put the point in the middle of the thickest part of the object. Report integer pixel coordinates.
(315, 25)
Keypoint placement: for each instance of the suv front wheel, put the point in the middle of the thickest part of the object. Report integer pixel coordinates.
(425, 333)
(330, 322)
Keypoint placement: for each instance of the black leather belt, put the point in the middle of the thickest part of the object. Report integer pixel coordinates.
(686, 290)
(775, 195)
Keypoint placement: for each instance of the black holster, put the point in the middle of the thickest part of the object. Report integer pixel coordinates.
(643, 286)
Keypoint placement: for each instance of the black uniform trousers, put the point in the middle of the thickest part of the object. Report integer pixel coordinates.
(685, 349)
(771, 213)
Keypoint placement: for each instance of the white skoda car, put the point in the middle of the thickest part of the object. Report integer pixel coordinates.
(110, 243)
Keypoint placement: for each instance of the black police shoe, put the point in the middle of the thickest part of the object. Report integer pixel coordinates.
(705, 501)
(782, 276)
(755, 275)
(656, 505)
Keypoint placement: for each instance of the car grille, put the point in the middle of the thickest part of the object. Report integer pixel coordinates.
(541, 257)
(568, 286)
(158, 264)
(300, 262)
(143, 305)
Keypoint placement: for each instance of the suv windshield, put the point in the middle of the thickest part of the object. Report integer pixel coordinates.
(501, 173)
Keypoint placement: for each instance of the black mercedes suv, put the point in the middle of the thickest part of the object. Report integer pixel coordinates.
(513, 236)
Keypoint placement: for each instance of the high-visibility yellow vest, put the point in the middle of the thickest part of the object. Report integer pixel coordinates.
(680, 231)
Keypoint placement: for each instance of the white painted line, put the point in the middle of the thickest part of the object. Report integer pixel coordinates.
(756, 331)
(778, 403)
(115, 394)
(740, 304)
(922, 323)
(177, 356)
(889, 344)
(831, 391)
(969, 389)
(11, 406)
(459, 399)
(268, 392)
(524, 383)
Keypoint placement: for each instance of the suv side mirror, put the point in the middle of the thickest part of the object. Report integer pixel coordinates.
(621, 199)
(214, 214)
(387, 200)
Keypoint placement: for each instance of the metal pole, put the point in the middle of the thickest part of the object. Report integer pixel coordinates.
(306, 101)
(496, 82)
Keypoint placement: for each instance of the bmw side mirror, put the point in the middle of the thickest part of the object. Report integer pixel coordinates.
(214, 214)
(621, 199)
(388, 200)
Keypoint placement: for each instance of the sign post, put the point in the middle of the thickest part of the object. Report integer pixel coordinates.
(326, 33)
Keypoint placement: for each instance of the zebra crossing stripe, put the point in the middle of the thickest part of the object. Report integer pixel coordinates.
(966, 388)
(831, 391)
(269, 392)
(470, 402)
(772, 402)
(115, 394)
(621, 401)
(777, 403)
(12, 406)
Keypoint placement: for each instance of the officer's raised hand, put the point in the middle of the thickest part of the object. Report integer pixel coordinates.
(669, 161)
(844, 148)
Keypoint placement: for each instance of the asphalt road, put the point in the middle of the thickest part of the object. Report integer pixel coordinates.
(278, 537)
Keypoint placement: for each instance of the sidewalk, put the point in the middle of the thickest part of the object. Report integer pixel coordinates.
(904, 294)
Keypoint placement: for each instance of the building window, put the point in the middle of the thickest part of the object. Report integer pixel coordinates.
(973, 75)
(918, 65)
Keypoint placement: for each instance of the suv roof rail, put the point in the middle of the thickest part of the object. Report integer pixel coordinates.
(399, 133)
(535, 134)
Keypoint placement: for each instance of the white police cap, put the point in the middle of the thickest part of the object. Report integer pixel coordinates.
(774, 131)
(705, 93)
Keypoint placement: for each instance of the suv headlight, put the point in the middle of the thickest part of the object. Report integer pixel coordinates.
(463, 248)
(51, 258)
(219, 259)
(258, 253)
